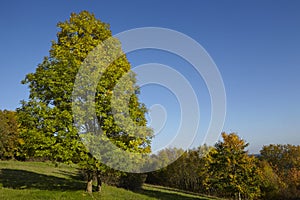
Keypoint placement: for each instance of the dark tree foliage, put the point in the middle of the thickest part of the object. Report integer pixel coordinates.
(188, 172)
(281, 167)
(9, 135)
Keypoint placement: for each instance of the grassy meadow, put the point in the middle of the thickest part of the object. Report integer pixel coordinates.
(44, 180)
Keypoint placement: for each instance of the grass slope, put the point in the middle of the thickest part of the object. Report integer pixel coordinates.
(42, 180)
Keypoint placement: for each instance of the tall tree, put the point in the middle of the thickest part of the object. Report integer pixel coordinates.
(47, 119)
(233, 171)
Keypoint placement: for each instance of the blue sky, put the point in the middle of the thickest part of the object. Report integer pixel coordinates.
(255, 44)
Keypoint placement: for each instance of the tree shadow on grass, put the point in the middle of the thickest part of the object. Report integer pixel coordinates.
(75, 176)
(22, 179)
(165, 195)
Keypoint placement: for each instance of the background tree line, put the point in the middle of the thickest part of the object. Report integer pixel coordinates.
(228, 170)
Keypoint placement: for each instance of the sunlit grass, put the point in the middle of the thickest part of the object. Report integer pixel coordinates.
(44, 180)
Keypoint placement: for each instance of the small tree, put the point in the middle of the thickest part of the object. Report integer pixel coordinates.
(233, 172)
(272, 185)
(9, 135)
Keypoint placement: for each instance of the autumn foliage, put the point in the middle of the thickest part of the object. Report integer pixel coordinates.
(228, 170)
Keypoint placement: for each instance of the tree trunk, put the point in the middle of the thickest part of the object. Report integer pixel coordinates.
(99, 182)
(89, 186)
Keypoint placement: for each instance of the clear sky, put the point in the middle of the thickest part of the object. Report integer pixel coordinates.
(255, 44)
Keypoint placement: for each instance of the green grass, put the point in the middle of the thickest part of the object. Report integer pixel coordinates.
(42, 180)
